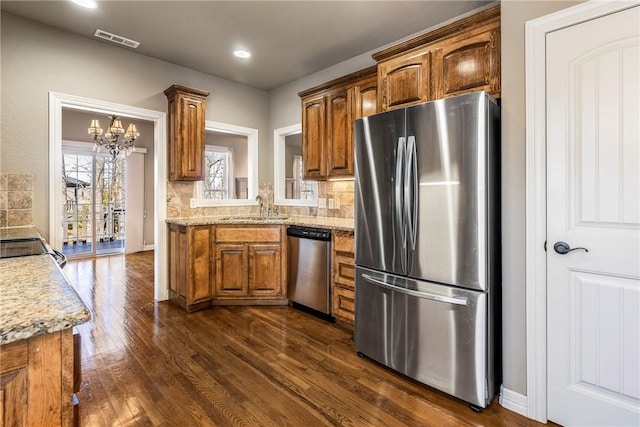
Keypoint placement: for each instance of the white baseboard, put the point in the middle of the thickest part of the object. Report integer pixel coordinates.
(513, 401)
(148, 247)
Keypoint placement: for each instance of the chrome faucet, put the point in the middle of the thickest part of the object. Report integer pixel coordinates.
(259, 200)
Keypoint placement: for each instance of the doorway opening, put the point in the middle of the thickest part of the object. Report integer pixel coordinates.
(59, 102)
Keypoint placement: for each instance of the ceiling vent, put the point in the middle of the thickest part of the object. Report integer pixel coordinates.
(105, 35)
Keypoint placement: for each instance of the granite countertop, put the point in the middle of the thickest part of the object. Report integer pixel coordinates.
(343, 224)
(35, 296)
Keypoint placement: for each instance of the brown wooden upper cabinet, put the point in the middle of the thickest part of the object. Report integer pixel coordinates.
(328, 112)
(458, 58)
(186, 133)
(405, 80)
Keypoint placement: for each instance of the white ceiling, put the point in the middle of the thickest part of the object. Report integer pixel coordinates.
(289, 39)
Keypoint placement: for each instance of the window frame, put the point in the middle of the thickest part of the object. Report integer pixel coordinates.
(252, 167)
(279, 136)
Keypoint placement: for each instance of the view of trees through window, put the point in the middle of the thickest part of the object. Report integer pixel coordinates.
(93, 203)
(216, 182)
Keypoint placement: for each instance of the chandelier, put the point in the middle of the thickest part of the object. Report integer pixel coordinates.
(115, 139)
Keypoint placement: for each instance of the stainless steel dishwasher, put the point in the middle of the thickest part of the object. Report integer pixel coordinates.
(309, 278)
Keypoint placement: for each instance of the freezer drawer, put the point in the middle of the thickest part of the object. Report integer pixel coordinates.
(432, 333)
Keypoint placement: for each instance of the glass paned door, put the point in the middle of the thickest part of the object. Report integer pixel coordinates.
(93, 203)
(109, 206)
(77, 204)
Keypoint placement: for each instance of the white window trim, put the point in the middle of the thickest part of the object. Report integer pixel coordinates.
(252, 168)
(279, 168)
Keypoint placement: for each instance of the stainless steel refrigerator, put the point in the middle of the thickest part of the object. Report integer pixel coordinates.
(428, 244)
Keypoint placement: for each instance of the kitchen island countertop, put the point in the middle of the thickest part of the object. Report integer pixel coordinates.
(35, 296)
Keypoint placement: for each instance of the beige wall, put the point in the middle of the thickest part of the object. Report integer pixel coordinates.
(514, 15)
(37, 59)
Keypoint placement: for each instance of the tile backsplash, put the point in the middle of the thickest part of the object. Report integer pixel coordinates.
(16, 200)
(179, 195)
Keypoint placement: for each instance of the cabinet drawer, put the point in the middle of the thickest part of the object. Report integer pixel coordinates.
(343, 303)
(247, 234)
(343, 271)
(343, 242)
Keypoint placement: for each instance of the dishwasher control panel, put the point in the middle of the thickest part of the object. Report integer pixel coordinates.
(309, 233)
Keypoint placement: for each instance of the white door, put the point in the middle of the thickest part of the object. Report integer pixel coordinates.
(134, 201)
(593, 201)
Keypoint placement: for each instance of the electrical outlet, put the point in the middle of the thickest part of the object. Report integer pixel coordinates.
(330, 203)
(192, 203)
(322, 202)
(336, 204)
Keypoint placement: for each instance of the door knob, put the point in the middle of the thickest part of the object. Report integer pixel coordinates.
(563, 248)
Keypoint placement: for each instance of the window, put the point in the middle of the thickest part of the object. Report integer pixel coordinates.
(299, 189)
(290, 189)
(231, 166)
(218, 172)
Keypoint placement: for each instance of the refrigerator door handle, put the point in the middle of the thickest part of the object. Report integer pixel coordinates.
(426, 295)
(401, 153)
(411, 194)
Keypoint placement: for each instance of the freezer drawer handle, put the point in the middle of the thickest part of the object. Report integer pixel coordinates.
(440, 298)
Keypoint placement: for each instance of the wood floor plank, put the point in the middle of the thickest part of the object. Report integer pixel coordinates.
(151, 364)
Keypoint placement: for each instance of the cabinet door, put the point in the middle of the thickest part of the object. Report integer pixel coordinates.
(191, 137)
(186, 133)
(313, 137)
(469, 64)
(200, 288)
(339, 134)
(178, 260)
(404, 80)
(365, 96)
(13, 384)
(231, 270)
(264, 270)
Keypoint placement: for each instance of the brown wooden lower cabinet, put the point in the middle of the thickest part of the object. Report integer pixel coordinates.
(343, 276)
(250, 267)
(190, 260)
(37, 381)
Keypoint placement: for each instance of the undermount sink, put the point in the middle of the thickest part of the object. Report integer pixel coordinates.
(254, 218)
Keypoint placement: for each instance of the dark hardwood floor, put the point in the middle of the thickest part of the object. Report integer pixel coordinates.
(147, 363)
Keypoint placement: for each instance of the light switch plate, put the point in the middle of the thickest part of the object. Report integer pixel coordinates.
(322, 202)
(330, 203)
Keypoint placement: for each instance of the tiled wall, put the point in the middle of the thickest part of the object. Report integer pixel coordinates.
(16, 200)
(179, 195)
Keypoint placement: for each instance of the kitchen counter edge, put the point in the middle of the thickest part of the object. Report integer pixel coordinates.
(341, 224)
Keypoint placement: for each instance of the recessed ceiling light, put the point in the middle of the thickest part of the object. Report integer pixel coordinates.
(89, 4)
(241, 53)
